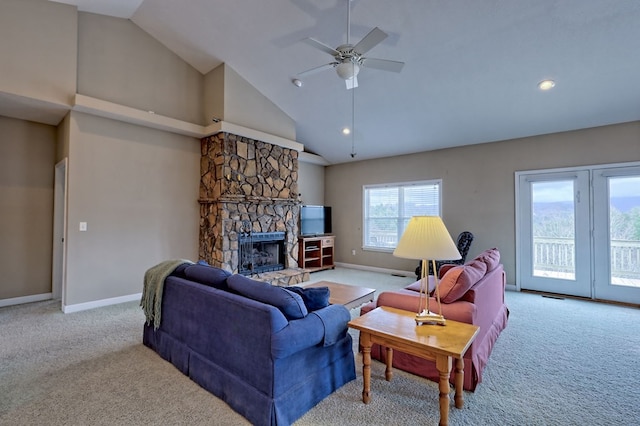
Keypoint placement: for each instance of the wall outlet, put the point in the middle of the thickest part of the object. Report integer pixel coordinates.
(353, 252)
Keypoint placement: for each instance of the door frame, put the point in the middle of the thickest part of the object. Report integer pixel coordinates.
(59, 252)
(603, 289)
(581, 285)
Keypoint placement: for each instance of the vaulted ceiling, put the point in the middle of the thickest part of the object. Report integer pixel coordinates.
(471, 67)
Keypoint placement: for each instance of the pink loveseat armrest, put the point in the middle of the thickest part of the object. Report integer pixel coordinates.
(408, 300)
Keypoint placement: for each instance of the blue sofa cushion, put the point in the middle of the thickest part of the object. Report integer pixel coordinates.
(207, 275)
(314, 298)
(289, 303)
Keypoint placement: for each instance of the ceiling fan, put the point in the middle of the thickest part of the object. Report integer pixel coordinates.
(349, 58)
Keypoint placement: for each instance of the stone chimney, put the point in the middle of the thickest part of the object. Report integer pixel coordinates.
(246, 181)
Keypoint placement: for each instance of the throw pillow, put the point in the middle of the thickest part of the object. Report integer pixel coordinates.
(208, 275)
(448, 281)
(467, 276)
(491, 257)
(314, 298)
(289, 303)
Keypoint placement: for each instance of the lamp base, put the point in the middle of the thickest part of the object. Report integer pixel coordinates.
(428, 317)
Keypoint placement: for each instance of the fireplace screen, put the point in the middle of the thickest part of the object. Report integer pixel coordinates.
(261, 252)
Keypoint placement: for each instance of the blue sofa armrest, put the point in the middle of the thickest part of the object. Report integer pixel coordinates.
(322, 327)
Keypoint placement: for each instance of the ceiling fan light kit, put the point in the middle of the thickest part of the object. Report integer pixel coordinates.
(347, 70)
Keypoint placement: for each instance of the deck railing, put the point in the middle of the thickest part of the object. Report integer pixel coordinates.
(558, 255)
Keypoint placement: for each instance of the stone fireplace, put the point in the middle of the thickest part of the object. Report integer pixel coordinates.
(247, 187)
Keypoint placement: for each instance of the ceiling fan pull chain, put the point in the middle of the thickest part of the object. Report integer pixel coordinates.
(353, 122)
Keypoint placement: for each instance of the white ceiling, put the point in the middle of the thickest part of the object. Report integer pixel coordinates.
(471, 66)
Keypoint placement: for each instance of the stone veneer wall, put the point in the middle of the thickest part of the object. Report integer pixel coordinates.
(241, 180)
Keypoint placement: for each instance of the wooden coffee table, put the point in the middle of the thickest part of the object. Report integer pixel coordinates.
(350, 296)
(397, 329)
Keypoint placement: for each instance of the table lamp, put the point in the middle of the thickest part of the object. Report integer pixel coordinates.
(427, 239)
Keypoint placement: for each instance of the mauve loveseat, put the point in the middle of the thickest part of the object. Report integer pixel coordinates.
(473, 294)
(253, 345)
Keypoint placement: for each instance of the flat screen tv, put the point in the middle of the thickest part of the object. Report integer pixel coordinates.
(315, 220)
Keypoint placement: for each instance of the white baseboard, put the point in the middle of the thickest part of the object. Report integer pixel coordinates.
(25, 299)
(100, 303)
(375, 269)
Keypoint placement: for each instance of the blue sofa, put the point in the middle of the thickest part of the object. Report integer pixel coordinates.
(255, 346)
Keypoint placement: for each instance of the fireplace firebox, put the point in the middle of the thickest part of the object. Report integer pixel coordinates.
(261, 252)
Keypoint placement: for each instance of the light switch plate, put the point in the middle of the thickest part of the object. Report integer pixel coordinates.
(83, 226)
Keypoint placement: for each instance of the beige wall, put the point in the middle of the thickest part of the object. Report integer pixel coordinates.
(214, 95)
(478, 186)
(246, 106)
(27, 158)
(38, 47)
(120, 63)
(62, 141)
(311, 183)
(137, 189)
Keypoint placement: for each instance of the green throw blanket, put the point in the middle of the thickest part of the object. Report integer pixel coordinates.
(153, 286)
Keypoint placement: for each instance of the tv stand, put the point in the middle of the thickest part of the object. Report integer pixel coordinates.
(316, 253)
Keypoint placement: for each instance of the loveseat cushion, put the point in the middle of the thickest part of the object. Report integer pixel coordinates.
(458, 280)
(289, 303)
(314, 298)
(207, 275)
(491, 257)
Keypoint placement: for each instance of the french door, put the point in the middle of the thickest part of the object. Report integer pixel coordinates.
(617, 234)
(554, 232)
(579, 232)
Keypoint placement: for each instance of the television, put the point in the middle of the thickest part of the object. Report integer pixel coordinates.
(315, 220)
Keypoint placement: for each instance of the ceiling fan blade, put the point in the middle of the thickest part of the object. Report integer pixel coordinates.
(382, 64)
(370, 41)
(318, 69)
(352, 82)
(319, 45)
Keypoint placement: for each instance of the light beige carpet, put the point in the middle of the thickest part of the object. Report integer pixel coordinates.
(553, 365)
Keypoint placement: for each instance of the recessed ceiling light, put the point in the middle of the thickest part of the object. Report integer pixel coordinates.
(346, 131)
(546, 84)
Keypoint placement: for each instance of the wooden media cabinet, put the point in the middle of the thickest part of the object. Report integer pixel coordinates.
(316, 253)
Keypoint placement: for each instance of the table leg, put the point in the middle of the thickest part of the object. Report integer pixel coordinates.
(365, 341)
(443, 364)
(388, 372)
(459, 397)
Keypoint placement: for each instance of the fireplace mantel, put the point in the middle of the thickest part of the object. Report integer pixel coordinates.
(254, 200)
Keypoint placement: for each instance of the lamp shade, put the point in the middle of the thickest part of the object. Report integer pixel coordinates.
(426, 237)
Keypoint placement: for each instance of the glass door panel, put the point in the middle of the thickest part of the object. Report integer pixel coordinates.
(553, 223)
(617, 234)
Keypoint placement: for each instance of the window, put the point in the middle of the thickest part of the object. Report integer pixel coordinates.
(388, 208)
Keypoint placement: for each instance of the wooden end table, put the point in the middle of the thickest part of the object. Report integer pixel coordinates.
(350, 296)
(397, 329)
